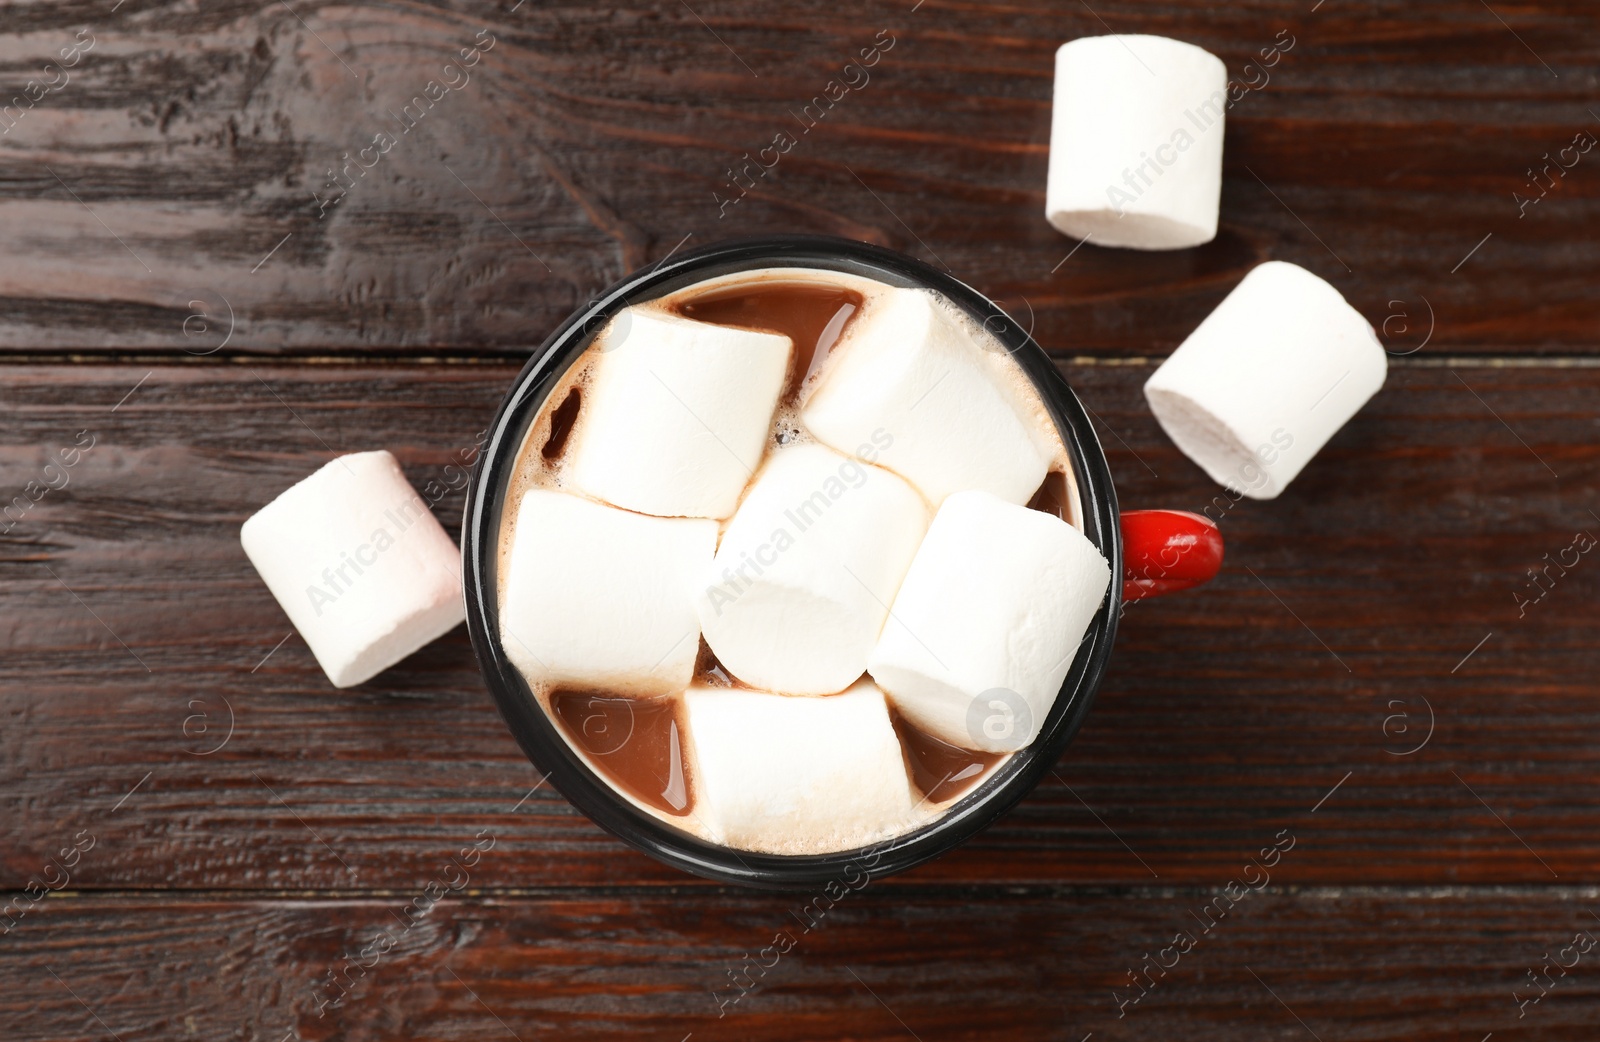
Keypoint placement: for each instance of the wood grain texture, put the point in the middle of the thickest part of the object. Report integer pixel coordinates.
(1424, 965)
(226, 840)
(1341, 624)
(166, 195)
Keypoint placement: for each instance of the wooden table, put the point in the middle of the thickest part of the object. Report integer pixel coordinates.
(197, 299)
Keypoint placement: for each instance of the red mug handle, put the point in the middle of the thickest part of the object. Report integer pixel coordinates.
(1164, 551)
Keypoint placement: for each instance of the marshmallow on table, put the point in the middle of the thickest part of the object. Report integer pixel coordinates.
(795, 775)
(911, 383)
(601, 598)
(1136, 142)
(1267, 379)
(362, 568)
(676, 414)
(988, 621)
(803, 579)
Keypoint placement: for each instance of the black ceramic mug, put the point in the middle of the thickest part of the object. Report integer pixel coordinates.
(1169, 558)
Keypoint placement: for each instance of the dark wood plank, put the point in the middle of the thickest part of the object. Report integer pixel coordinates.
(162, 198)
(1343, 619)
(1424, 965)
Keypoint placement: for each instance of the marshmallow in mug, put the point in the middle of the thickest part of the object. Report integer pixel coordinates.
(803, 579)
(1262, 384)
(988, 621)
(364, 571)
(783, 774)
(602, 598)
(1136, 142)
(676, 414)
(910, 367)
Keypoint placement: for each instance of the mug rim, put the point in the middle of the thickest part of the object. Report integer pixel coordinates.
(538, 735)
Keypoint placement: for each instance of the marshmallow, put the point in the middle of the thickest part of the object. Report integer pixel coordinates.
(803, 579)
(1267, 379)
(787, 775)
(987, 622)
(363, 569)
(1136, 142)
(603, 599)
(676, 414)
(911, 383)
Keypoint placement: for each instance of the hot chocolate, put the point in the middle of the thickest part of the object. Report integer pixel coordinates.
(703, 619)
